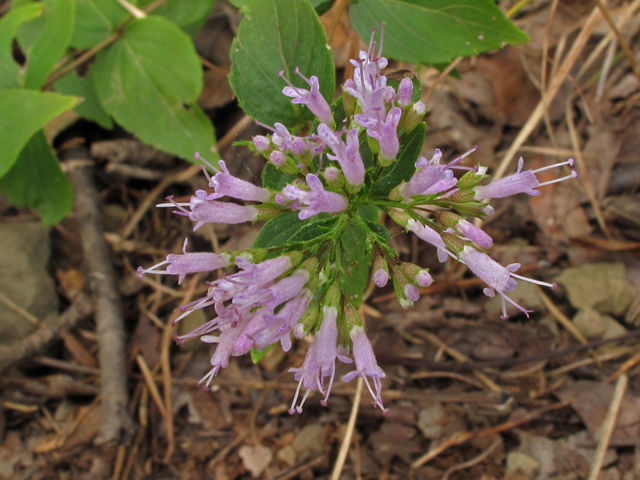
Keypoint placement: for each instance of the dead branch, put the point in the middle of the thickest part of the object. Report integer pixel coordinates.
(33, 344)
(108, 311)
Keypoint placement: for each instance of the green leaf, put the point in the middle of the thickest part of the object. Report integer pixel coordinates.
(279, 35)
(8, 28)
(51, 42)
(95, 21)
(322, 6)
(370, 213)
(404, 166)
(36, 181)
(274, 178)
(90, 107)
(435, 31)
(187, 15)
(318, 225)
(149, 82)
(287, 227)
(22, 113)
(380, 230)
(356, 262)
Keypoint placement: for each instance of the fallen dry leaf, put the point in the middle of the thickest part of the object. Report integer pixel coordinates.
(256, 458)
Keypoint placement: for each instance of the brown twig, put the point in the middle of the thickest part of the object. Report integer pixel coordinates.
(346, 441)
(607, 427)
(33, 344)
(108, 310)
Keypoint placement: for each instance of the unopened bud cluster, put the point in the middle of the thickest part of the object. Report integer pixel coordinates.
(296, 289)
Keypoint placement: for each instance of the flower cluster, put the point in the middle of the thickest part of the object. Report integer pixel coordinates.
(295, 282)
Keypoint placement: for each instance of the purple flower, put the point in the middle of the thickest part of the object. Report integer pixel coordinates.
(430, 178)
(385, 130)
(500, 279)
(520, 182)
(366, 366)
(226, 184)
(474, 234)
(405, 89)
(278, 327)
(317, 200)
(311, 98)
(204, 210)
(320, 361)
(226, 341)
(189, 263)
(429, 235)
(366, 75)
(347, 154)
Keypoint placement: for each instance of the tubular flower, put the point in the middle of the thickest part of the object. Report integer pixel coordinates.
(306, 274)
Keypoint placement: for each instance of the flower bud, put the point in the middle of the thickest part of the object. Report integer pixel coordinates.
(261, 143)
(380, 271)
(453, 242)
(405, 90)
(278, 158)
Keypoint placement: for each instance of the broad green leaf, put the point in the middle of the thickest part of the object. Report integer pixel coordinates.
(51, 43)
(279, 35)
(22, 113)
(435, 31)
(322, 6)
(356, 262)
(36, 181)
(278, 230)
(285, 227)
(187, 15)
(274, 178)
(318, 225)
(404, 166)
(149, 81)
(90, 107)
(380, 230)
(370, 213)
(96, 20)
(8, 28)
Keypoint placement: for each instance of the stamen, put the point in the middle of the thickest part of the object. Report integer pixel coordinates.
(281, 74)
(197, 156)
(462, 157)
(208, 377)
(293, 409)
(504, 315)
(537, 282)
(569, 162)
(264, 125)
(304, 399)
(522, 309)
(140, 271)
(574, 174)
(324, 401)
(381, 39)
